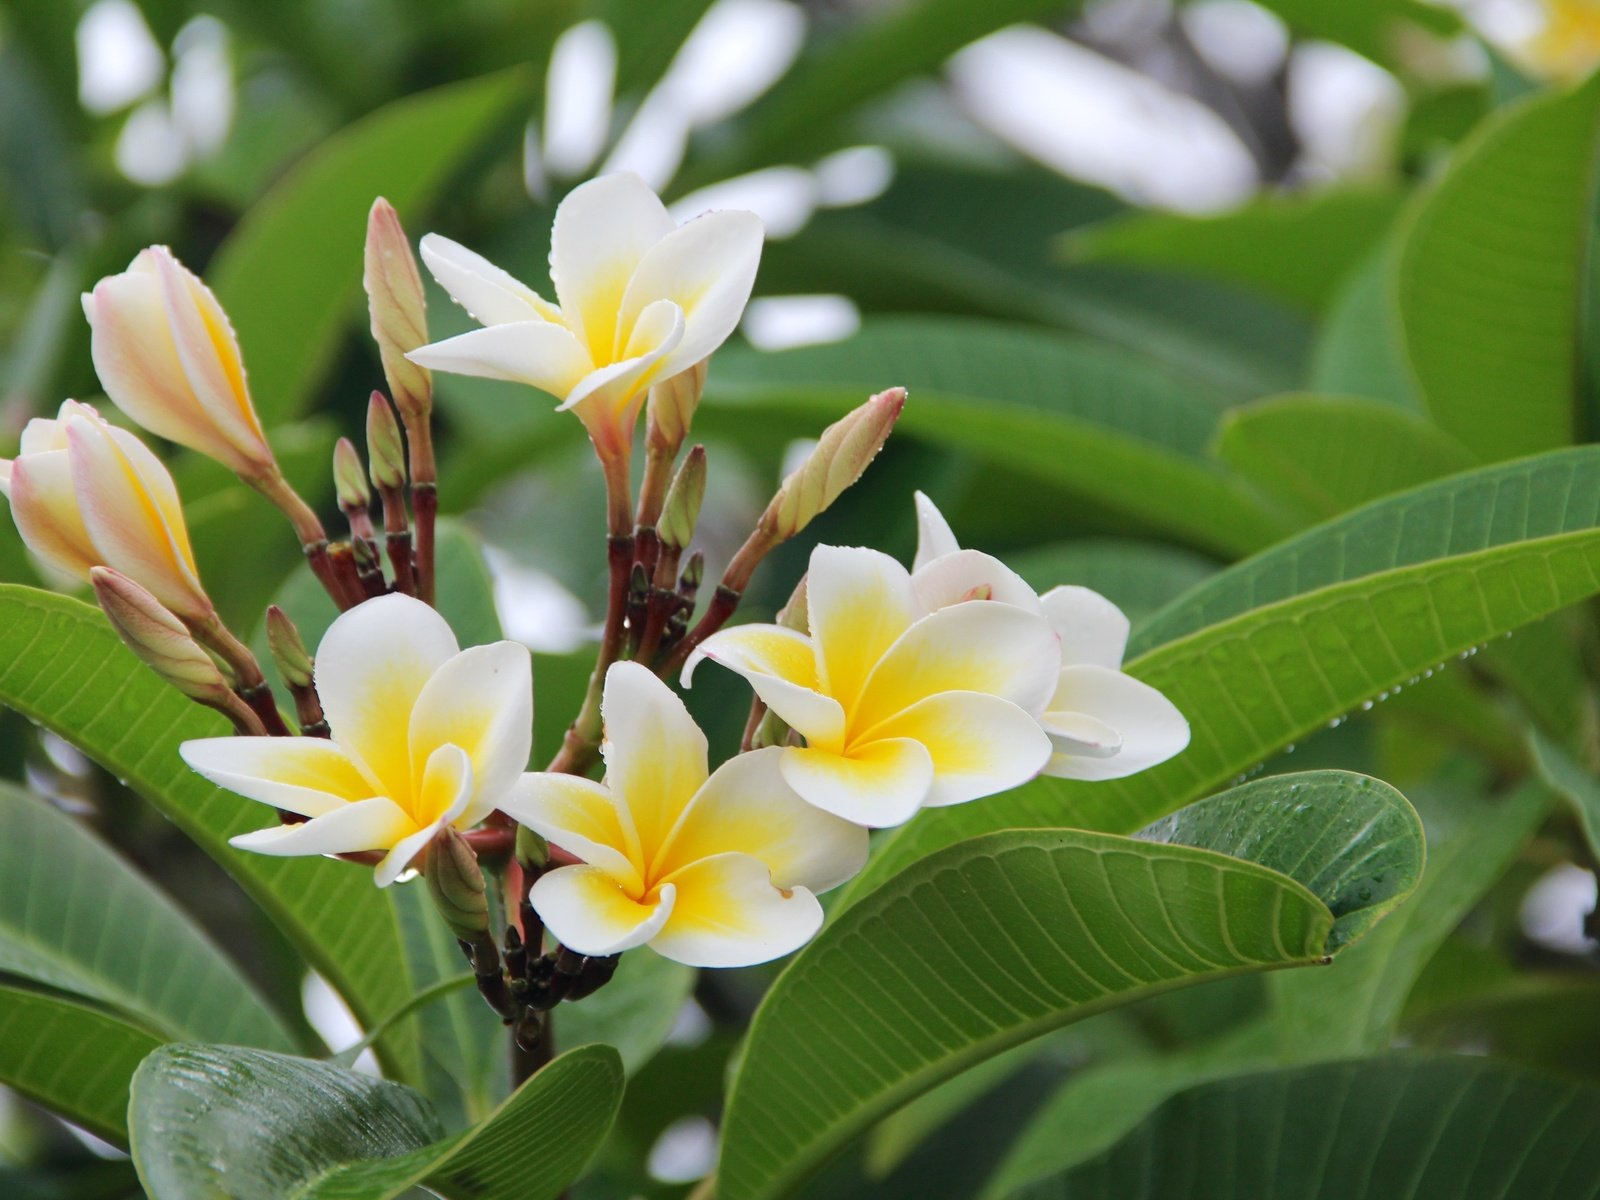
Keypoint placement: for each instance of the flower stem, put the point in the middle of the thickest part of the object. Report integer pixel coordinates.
(249, 684)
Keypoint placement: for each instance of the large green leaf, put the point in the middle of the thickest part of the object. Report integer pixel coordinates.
(290, 271)
(997, 940)
(300, 1128)
(1029, 400)
(1321, 455)
(63, 667)
(75, 916)
(75, 1060)
(1280, 645)
(1297, 249)
(1359, 349)
(1576, 787)
(1492, 277)
(1427, 1128)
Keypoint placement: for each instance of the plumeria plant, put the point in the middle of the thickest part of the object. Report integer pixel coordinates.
(975, 766)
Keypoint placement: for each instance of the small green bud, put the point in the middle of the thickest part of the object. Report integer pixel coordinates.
(398, 310)
(288, 649)
(457, 885)
(670, 408)
(841, 456)
(694, 573)
(159, 639)
(533, 852)
(681, 510)
(796, 614)
(385, 447)
(350, 477)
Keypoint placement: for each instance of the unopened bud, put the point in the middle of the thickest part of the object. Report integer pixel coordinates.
(398, 310)
(796, 614)
(681, 509)
(288, 649)
(157, 637)
(694, 573)
(670, 408)
(350, 477)
(386, 449)
(457, 885)
(533, 852)
(841, 455)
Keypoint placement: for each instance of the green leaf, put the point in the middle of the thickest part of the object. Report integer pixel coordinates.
(75, 1060)
(1297, 248)
(1429, 1128)
(299, 1129)
(1491, 279)
(1026, 400)
(1278, 646)
(75, 916)
(531, 1148)
(1321, 455)
(290, 271)
(1576, 787)
(1140, 578)
(634, 1012)
(62, 667)
(281, 1120)
(1359, 350)
(1370, 27)
(997, 940)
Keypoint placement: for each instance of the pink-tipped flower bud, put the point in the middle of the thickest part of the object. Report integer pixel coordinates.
(350, 477)
(398, 311)
(841, 455)
(386, 449)
(671, 407)
(457, 885)
(681, 510)
(158, 638)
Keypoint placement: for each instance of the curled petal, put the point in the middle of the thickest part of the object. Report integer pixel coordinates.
(780, 666)
(748, 807)
(537, 353)
(373, 824)
(728, 914)
(482, 701)
(45, 509)
(590, 912)
(880, 784)
(583, 818)
(934, 538)
(309, 776)
(979, 744)
(1092, 630)
(491, 296)
(971, 575)
(1151, 727)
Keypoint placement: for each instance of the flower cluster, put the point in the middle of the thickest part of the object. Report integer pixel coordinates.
(879, 691)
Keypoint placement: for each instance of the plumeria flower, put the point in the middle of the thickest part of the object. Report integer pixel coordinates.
(87, 494)
(1103, 723)
(423, 735)
(640, 299)
(900, 707)
(168, 357)
(712, 871)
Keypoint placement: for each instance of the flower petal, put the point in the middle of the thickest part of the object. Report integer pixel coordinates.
(370, 669)
(655, 754)
(580, 816)
(588, 911)
(728, 914)
(537, 353)
(877, 785)
(780, 666)
(997, 649)
(747, 806)
(602, 230)
(968, 575)
(394, 864)
(1091, 628)
(490, 296)
(1080, 734)
(482, 701)
(859, 602)
(1151, 727)
(446, 788)
(707, 268)
(45, 509)
(309, 776)
(603, 397)
(934, 537)
(373, 824)
(980, 744)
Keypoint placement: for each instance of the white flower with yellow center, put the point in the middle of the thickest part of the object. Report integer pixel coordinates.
(640, 298)
(900, 707)
(712, 871)
(1103, 723)
(424, 735)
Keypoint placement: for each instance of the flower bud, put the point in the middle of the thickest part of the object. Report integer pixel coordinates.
(398, 311)
(457, 885)
(85, 494)
(796, 614)
(168, 357)
(288, 649)
(681, 510)
(841, 455)
(386, 450)
(671, 406)
(350, 477)
(158, 638)
(532, 851)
